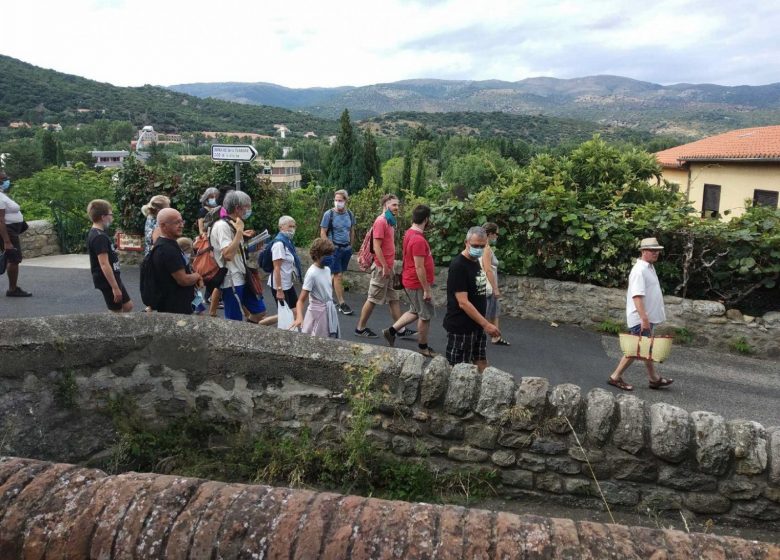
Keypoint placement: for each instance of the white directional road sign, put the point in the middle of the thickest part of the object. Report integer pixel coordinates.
(233, 152)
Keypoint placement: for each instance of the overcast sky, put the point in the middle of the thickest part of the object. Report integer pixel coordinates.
(299, 43)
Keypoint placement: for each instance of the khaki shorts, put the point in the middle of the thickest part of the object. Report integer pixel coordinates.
(417, 305)
(380, 290)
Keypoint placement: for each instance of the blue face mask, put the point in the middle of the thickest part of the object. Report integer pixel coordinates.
(212, 202)
(5, 185)
(390, 218)
(290, 233)
(476, 252)
(247, 214)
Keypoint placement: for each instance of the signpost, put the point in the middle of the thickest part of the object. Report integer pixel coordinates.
(237, 153)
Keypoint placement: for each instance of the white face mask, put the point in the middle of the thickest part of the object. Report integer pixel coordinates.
(340, 204)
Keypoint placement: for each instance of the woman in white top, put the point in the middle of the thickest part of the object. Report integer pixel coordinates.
(12, 225)
(287, 267)
(490, 266)
(322, 318)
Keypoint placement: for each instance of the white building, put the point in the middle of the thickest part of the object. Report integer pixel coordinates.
(109, 158)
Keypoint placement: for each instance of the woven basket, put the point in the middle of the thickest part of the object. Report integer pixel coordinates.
(656, 348)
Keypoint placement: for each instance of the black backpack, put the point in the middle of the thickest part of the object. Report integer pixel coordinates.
(150, 293)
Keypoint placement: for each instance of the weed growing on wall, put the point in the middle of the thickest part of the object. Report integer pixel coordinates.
(742, 346)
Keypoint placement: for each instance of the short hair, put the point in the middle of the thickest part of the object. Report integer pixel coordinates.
(185, 244)
(477, 231)
(98, 208)
(155, 204)
(343, 193)
(420, 213)
(387, 198)
(490, 228)
(284, 220)
(236, 199)
(208, 193)
(320, 248)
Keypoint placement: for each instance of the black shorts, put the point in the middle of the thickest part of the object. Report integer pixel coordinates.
(14, 256)
(108, 295)
(290, 298)
(466, 348)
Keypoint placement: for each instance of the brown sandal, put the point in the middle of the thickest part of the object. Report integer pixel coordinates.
(620, 384)
(662, 382)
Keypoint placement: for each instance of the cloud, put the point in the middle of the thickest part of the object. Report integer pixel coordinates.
(314, 43)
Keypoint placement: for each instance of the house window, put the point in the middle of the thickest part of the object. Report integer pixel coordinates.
(710, 207)
(765, 198)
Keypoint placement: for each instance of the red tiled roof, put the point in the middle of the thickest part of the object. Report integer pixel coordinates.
(746, 143)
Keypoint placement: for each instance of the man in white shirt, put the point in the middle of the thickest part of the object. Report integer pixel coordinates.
(12, 225)
(644, 311)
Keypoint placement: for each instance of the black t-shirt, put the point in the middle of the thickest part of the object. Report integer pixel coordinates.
(99, 242)
(202, 212)
(465, 276)
(166, 260)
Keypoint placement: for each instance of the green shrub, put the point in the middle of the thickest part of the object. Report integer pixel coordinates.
(742, 346)
(683, 336)
(611, 327)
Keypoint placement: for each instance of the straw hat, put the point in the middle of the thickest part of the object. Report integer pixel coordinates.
(650, 243)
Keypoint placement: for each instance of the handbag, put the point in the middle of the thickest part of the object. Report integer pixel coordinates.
(655, 348)
(19, 227)
(253, 282)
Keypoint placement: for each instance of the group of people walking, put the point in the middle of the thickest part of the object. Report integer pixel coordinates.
(473, 294)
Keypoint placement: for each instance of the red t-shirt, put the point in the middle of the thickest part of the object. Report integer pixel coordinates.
(386, 233)
(415, 245)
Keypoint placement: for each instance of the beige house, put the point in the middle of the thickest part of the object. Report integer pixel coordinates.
(721, 172)
(283, 172)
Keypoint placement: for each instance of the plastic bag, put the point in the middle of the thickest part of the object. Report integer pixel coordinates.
(285, 316)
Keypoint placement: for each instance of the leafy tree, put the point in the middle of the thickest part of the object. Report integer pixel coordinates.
(392, 171)
(474, 171)
(406, 175)
(48, 148)
(23, 159)
(372, 163)
(342, 153)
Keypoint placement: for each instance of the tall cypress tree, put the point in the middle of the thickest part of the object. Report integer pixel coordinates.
(342, 155)
(406, 175)
(373, 167)
(419, 176)
(48, 148)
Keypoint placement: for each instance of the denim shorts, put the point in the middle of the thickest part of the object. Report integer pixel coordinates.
(339, 261)
(636, 328)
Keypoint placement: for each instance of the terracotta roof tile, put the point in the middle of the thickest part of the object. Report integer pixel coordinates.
(745, 143)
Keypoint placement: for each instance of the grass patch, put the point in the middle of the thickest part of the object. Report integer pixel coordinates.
(682, 336)
(611, 327)
(742, 346)
(66, 389)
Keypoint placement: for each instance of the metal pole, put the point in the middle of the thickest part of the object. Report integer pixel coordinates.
(238, 176)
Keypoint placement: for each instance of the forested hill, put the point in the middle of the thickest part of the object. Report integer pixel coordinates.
(37, 95)
(682, 109)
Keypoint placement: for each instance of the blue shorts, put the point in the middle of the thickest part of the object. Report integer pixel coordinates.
(233, 309)
(339, 261)
(636, 328)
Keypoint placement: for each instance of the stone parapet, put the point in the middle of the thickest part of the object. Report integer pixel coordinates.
(40, 240)
(63, 511)
(59, 376)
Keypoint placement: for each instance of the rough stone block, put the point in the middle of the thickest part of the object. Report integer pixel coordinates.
(531, 462)
(599, 412)
(563, 465)
(566, 401)
(670, 432)
(531, 395)
(549, 482)
(741, 488)
(578, 486)
(467, 454)
(629, 431)
(510, 438)
(774, 455)
(548, 447)
(706, 503)
(620, 494)
(684, 479)
(411, 376)
(434, 382)
(503, 458)
(750, 446)
(402, 445)
(713, 447)
(761, 509)
(481, 435)
(447, 428)
(518, 478)
(496, 393)
(660, 500)
(592, 455)
(463, 389)
(628, 467)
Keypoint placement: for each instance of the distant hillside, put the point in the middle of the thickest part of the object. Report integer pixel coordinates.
(36, 95)
(681, 109)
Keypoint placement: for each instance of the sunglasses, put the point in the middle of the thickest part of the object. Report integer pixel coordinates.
(477, 246)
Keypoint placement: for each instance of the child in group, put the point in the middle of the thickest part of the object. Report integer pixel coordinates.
(322, 318)
(104, 260)
(185, 244)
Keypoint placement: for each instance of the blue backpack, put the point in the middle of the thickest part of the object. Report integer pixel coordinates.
(266, 261)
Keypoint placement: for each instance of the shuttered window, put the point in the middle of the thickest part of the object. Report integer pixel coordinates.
(765, 198)
(710, 207)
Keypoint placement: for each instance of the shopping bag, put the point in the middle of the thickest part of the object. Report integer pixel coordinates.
(284, 316)
(656, 348)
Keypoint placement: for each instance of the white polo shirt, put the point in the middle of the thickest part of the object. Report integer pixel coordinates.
(643, 281)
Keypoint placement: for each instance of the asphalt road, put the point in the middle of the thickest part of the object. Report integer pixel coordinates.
(733, 386)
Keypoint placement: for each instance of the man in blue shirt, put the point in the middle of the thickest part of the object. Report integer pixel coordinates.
(338, 225)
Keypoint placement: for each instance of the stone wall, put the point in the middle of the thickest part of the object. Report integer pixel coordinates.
(709, 322)
(59, 374)
(40, 240)
(63, 511)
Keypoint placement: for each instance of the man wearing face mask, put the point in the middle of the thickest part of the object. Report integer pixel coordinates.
(227, 238)
(465, 321)
(12, 225)
(338, 225)
(103, 258)
(287, 266)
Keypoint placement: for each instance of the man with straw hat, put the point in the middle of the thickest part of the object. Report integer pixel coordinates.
(644, 311)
